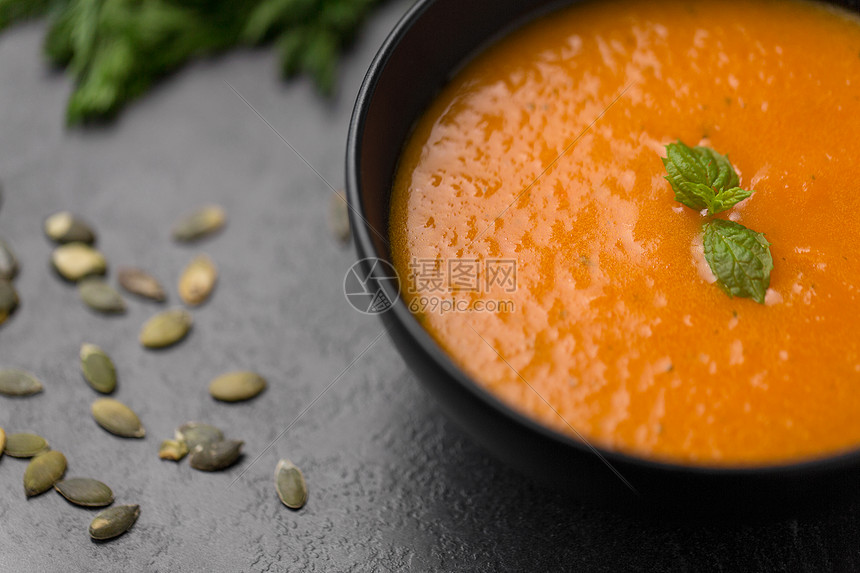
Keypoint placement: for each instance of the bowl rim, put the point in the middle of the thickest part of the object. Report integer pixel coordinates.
(361, 231)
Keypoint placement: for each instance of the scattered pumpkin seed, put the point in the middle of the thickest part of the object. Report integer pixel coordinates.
(8, 262)
(339, 217)
(114, 521)
(215, 456)
(43, 472)
(290, 484)
(25, 445)
(173, 450)
(86, 492)
(199, 224)
(77, 260)
(18, 383)
(98, 369)
(117, 418)
(197, 280)
(166, 328)
(8, 299)
(100, 296)
(2, 440)
(237, 386)
(63, 227)
(141, 283)
(198, 434)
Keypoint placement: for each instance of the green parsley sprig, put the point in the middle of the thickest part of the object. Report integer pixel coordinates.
(705, 180)
(116, 49)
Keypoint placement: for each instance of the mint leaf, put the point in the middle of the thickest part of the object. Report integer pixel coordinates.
(685, 170)
(721, 174)
(697, 196)
(702, 178)
(728, 199)
(684, 164)
(739, 258)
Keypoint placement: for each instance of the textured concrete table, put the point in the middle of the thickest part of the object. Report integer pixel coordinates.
(393, 485)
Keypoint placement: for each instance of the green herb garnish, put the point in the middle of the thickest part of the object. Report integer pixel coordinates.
(116, 49)
(739, 257)
(702, 178)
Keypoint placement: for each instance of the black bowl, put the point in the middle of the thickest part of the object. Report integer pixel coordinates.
(420, 55)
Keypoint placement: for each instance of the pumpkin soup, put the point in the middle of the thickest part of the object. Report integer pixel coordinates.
(545, 151)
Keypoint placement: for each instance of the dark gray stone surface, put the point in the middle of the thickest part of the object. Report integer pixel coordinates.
(393, 485)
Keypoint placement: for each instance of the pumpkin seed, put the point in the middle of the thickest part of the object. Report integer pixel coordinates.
(113, 521)
(100, 296)
(339, 217)
(215, 456)
(2, 441)
(8, 262)
(237, 386)
(173, 450)
(18, 383)
(198, 280)
(290, 484)
(117, 418)
(85, 491)
(43, 472)
(166, 328)
(77, 260)
(141, 283)
(98, 369)
(25, 445)
(199, 224)
(195, 434)
(8, 300)
(64, 227)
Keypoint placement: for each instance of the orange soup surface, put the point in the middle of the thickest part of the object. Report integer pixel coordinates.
(545, 151)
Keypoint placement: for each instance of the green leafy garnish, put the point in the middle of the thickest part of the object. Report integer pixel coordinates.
(728, 199)
(702, 178)
(116, 49)
(739, 257)
(309, 34)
